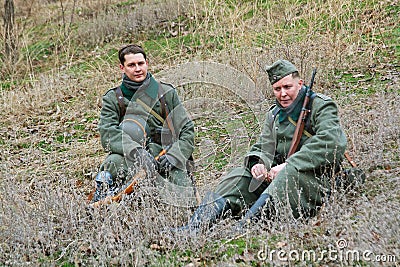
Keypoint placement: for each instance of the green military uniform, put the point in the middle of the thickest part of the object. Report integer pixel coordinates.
(120, 146)
(303, 182)
(306, 180)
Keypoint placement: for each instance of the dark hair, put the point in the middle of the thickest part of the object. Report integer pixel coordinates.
(130, 49)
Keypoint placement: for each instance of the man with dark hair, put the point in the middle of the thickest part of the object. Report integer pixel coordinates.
(269, 177)
(142, 125)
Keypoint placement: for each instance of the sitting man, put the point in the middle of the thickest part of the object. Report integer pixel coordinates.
(140, 120)
(270, 176)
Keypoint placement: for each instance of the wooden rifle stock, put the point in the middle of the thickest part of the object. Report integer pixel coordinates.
(302, 118)
(128, 190)
(163, 152)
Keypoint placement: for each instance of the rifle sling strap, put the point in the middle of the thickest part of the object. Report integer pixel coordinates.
(121, 104)
(307, 126)
(150, 110)
(305, 132)
(165, 110)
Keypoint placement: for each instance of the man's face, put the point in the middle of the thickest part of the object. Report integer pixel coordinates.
(135, 67)
(287, 89)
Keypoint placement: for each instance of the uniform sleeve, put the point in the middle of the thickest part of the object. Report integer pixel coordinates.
(264, 149)
(183, 147)
(111, 134)
(327, 146)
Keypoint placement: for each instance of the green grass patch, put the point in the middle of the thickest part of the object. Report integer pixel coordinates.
(40, 50)
(24, 145)
(45, 146)
(63, 138)
(126, 3)
(210, 129)
(166, 46)
(6, 84)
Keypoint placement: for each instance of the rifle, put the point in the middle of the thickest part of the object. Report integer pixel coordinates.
(135, 180)
(302, 118)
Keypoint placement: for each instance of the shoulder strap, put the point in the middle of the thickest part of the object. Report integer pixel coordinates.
(121, 104)
(150, 110)
(305, 132)
(307, 126)
(312, 96)
(165, 110)
(275, 110)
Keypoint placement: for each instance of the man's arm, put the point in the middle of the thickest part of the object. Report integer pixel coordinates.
(110, 132)
(183, 147)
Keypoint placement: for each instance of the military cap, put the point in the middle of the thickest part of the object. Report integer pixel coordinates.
(279, 69)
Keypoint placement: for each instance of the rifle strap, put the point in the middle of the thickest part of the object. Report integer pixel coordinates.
(121, 104)
(305, 132)
(308, 120)
(150, 110)
(165, 110)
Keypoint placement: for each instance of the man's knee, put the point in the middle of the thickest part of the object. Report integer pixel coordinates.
(115, 164)
(236, 186)
(302, 192)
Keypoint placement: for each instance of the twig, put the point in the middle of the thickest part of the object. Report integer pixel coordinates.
(65, 250)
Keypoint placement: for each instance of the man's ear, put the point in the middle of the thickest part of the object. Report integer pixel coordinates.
(121, 67)
(301, 82)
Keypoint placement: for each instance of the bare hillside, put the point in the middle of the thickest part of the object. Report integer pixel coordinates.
(64, 59)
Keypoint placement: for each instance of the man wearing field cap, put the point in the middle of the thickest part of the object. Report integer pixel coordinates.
(269, 179)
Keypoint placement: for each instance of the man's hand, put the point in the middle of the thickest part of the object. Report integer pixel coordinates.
(275, 170)
(260, 173)
(166, 163)
(144, 158)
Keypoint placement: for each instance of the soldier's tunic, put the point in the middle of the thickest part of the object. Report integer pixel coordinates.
(119, 145)
(306, 180)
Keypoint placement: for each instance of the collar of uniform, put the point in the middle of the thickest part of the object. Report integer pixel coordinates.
(152, 89)
(294, 109)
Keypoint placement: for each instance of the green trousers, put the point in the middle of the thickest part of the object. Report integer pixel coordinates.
(303, 192)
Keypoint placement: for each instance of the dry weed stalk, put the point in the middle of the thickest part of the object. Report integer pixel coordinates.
(49, 148)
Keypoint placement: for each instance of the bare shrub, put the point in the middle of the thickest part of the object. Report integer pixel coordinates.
(50, 149)
(128, 23)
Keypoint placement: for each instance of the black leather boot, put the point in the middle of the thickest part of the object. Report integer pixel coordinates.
(211, 208)
(263, 203)
(104, 186)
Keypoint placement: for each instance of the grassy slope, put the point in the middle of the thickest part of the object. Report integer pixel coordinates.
(50, 147)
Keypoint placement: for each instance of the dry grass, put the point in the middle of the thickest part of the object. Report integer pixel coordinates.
(50, 150)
